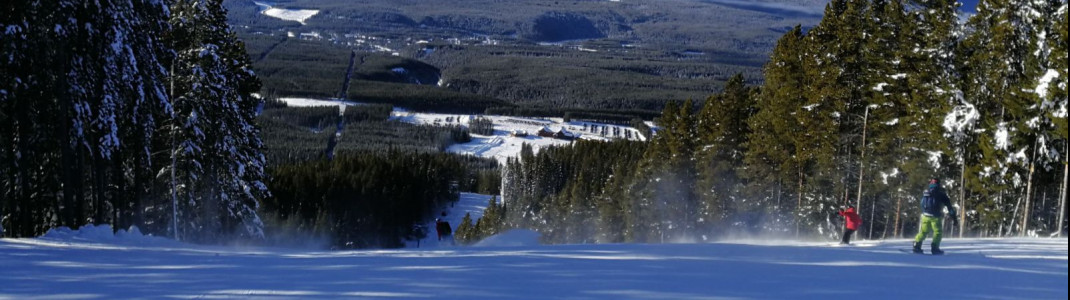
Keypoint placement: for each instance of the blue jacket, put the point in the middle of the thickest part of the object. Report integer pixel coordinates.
(933, 201)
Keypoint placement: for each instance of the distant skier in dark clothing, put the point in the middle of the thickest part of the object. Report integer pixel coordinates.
(933, 201)
(443, 228)
(853, 220)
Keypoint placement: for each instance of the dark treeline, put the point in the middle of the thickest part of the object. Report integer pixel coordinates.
(386, 178)
(325, 117)
(573, 193)
(481, 125)
(612, 79)
(297, 134)
(839, 120)
(127, 113)
(369, 199)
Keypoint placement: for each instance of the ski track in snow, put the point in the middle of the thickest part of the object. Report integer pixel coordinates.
(95, 268)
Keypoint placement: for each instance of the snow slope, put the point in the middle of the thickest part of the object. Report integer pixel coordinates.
(472, 204)
(106, 268)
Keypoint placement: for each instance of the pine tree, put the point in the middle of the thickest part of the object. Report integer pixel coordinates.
(999, 78)
(830, 60)
(94, 68)
(722, 131)
(465, 233)
(665, 204)
(770, 146)
(1058, 103)
(884, 94)
(217, 145)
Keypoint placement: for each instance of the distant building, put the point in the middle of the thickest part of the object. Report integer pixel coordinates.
(564, 134)
(518, 133)
(545, 132)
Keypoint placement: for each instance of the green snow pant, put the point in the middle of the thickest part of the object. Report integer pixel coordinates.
(930, 223)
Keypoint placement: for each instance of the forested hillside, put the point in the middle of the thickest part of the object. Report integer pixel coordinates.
(146, 114)
(128, 113)
(541, 55)
(840, 120)
(368, 199)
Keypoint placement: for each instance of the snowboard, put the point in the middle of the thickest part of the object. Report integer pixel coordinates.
(910, 251)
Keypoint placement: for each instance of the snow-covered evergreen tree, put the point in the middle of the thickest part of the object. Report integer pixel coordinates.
(216, 150)
(1006, 52)
(771, 148)
(84, 92)
(86, 113)
(1058, 103)
(722, 131)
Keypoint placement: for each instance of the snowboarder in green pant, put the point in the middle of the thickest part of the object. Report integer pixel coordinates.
(933, 201)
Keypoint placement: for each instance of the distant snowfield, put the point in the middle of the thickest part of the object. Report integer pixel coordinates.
(503, 144)
(94, 266)
(299, 15)
(310, 102)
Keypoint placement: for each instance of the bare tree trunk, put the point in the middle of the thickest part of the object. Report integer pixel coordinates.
(861, 169)
(98, 189)
(1028, 192)
(902, 228)
(872, 216)
(1062, 193)
(999, 203)
(1011, 222)
(884, 234)
(174, 162)
(798, 204)
(898, 212)
(1043, 207)
(779, 193)
(962, 192)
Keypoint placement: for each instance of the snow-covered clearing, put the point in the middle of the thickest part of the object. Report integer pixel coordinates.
(299, 15)
(505, 143)
(309, 102)
(89, 265)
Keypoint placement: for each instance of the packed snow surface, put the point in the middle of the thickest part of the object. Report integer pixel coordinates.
(512, 238)
(96, 265)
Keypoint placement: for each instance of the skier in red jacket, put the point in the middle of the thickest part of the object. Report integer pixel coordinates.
(853, 220)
